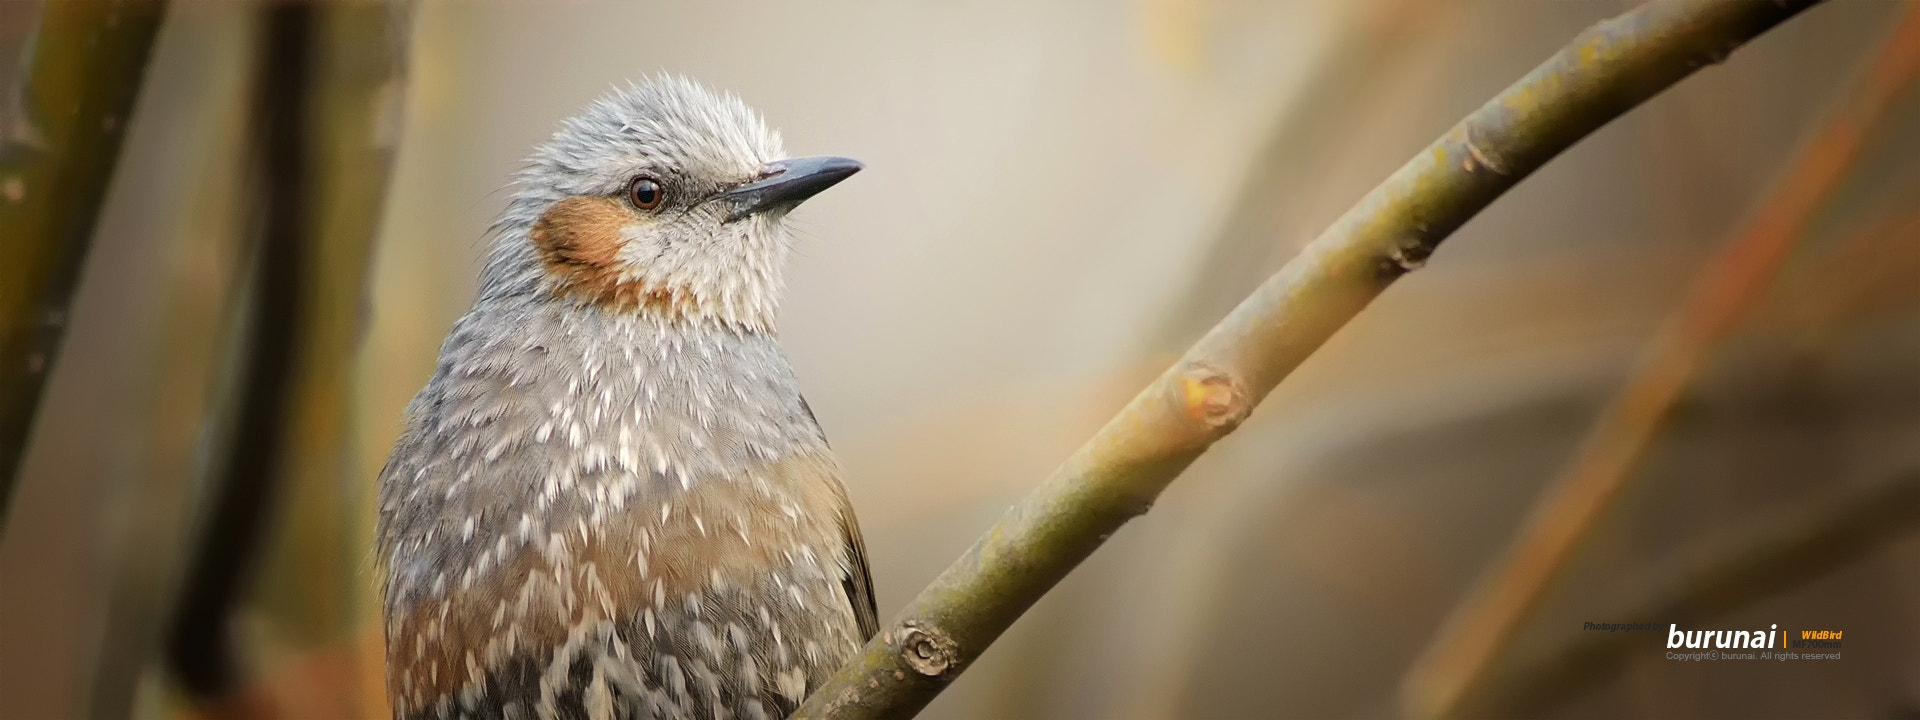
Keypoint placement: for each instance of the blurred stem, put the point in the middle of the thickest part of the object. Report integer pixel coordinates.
(291, 501)
(1762, 559)
(200, 649)
(356, 89)
(1116, 476)
(1734, 281)
(60, 140)
(1869, 274)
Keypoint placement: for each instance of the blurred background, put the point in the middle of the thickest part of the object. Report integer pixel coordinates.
(1059, 197)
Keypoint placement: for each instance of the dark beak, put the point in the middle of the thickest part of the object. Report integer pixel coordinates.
(787, 183)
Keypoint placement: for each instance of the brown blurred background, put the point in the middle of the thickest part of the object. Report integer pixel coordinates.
(1059, 196)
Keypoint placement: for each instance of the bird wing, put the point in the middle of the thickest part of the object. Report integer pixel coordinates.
(858, 581)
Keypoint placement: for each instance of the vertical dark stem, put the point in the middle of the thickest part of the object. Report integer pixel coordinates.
(200, 651)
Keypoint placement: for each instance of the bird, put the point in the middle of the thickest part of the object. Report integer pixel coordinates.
(611, 499)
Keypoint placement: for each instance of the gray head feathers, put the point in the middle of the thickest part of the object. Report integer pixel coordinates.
(695, 142)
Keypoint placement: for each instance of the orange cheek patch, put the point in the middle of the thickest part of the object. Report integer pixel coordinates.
(579, 243)
(579, 240)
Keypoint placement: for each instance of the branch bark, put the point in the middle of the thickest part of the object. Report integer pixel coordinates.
(1116, 476)
(60, 140)
(1492, 613)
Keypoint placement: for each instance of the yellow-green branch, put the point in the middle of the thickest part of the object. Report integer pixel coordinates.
(1116, 476)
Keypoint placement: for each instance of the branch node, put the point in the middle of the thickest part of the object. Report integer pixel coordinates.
(1481, 157)
(928, 651)
(1214, 397)
(1409, 254)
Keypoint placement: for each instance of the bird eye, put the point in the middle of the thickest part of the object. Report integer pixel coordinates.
(645, 193)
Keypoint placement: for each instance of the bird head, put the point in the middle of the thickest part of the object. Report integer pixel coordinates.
(662, 197)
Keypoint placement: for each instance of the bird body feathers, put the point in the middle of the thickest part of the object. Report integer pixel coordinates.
(599, 505)
(610, 500)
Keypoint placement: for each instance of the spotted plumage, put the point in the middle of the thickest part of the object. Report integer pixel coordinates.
(611, 500)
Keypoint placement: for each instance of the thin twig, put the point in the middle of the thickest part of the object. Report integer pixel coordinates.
(1116, 476)
(1486, 622)
(59, 140)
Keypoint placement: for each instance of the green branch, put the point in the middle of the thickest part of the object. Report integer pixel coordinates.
(1116, 476)
(60, 138)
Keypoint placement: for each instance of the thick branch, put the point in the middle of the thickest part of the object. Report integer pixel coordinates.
(59, 138)
(1116, 476)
